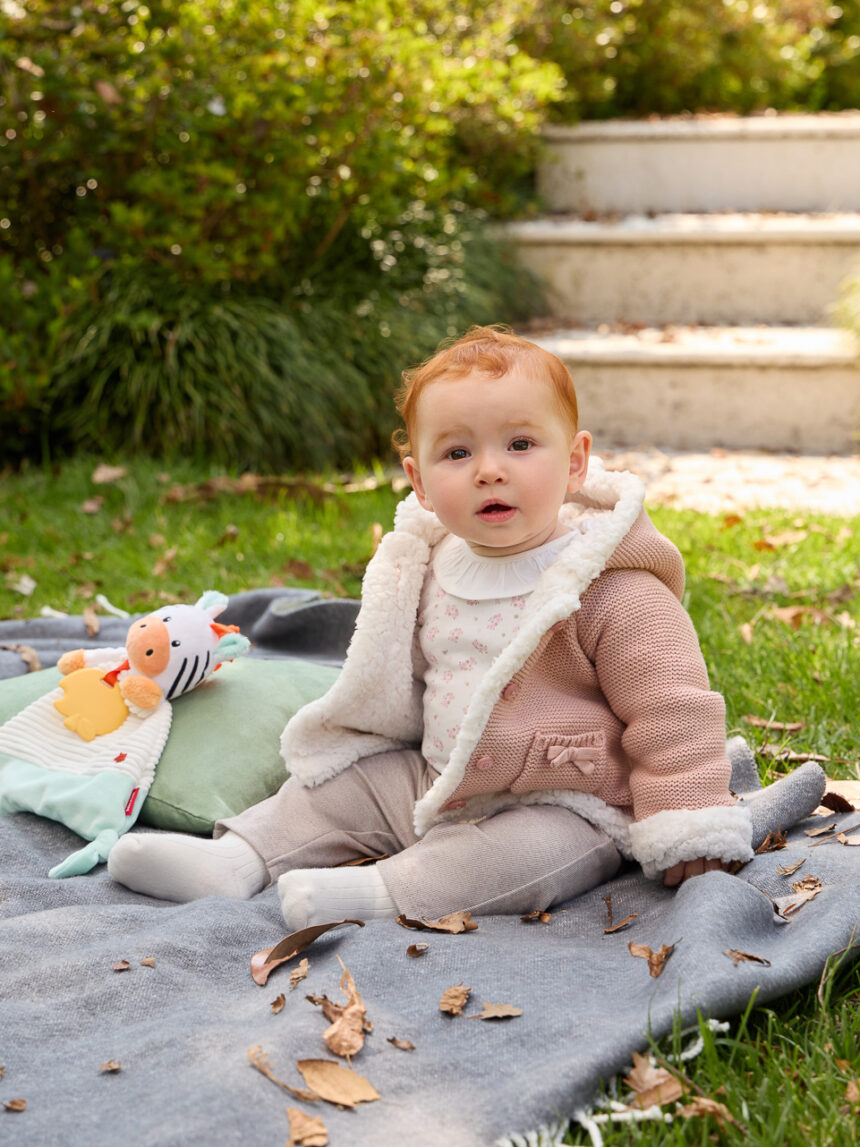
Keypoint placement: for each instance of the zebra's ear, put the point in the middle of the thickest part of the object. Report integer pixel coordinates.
(231, 645)
(212, 602)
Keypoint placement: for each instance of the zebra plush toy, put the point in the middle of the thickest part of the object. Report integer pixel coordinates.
(85, 754)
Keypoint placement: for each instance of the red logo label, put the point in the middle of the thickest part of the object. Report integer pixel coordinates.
(129, 808)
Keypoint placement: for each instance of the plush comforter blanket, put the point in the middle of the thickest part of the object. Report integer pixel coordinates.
(181, 1025)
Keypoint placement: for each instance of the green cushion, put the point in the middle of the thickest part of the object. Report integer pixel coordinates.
(223, 752)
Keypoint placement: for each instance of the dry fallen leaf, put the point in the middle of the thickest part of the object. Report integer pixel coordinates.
(92, 505)
(104, 473)
(621, 924)
(819, 831)
(147, 962)
(454, 1000)
(497, 1012)
(701, 1106)
(345, 1036)
(165, 562)
(789, 869)
(264, 962)
(843, 839)
(16, 1105)
(336, 1084)
(277, 1004)
(306, 1130)
(653, 1085)
(836, 803)
(112, 1066)
(808, 884)
(91, 621)
(773, 842)
(122, 966)
(417, 949)
(656, 960)
(739, 957)
(852, 1092)
(300, 972)
(454, 922)
(27, 654)
(783, 726)
(746, 632)
(403, 1044)
(260, 1061)
(543, 917)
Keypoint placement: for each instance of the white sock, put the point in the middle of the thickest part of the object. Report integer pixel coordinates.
(173, 866)
(320, 895)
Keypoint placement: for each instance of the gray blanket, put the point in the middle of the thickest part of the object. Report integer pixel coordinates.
(182, 1029)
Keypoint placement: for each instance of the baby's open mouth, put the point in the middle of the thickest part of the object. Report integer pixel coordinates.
(496, 511)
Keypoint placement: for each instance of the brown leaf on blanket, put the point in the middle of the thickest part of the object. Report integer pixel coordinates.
(332, 1011)
(27, 654)
(739, 957)
(300, 972)
(403, 1044)
(345, 1036)
(147, 962)
(264, 962)
(837, 803)
(336, 1084)
(656, 960)
(702, 1106)
(773, 842)
(306, 1130)
(260, 1061)
(454, 1000)
(621, 924)
(808, 884)
(819, 831)
(16, 1105)
(789, 869)
(91, 621)
(653, 1085)
(2, 1069)
(454, 922)
(112, 1066)
(530, 917)
(417, 949)
(122, 966)
(497, 1012)
(277, 1004)
(844, 839)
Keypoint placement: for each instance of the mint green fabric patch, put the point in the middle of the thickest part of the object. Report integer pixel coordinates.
(223, 752)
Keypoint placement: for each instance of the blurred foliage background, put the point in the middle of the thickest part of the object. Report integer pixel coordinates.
(227, 225)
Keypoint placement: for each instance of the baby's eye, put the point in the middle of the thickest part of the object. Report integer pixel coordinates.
(457, 454)
(520, 444)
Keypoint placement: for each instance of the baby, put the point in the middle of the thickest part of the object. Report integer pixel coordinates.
(523, 703)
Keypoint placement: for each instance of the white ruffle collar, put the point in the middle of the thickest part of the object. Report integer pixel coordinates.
(472, 577)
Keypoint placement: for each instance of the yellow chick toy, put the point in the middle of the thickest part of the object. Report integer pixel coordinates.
(90, 704)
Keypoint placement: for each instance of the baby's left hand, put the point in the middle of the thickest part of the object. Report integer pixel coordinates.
(678, 873)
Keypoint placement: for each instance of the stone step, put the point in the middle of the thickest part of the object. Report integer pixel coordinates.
(696, 388)
(719, 269)
(705, 163)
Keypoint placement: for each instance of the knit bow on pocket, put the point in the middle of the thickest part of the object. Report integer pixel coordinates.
(583, 758)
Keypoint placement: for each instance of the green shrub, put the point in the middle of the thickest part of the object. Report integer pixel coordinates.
(650, 57)
(302, 382)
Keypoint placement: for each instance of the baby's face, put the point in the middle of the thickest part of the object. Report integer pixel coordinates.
(494, 459)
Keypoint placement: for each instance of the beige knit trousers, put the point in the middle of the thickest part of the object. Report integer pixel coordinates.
(526, 858)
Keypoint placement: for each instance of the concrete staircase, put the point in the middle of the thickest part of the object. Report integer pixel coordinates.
(692, 268)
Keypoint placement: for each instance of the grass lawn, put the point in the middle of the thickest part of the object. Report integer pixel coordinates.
(776, 601)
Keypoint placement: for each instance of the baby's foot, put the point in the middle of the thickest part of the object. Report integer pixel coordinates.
(783, 804)
(173, 866)
(320, 895)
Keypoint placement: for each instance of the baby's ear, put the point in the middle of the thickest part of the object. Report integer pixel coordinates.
(410, 466)
(580, 451)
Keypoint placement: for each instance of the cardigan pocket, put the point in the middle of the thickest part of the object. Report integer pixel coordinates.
(559, 762)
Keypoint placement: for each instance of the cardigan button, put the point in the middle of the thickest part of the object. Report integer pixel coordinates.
(510, 692)
(484, 763)
(452, 805)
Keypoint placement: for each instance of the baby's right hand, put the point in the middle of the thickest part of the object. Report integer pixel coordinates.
(682, 871)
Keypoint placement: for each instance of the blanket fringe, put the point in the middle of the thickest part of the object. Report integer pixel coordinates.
(608, 1109)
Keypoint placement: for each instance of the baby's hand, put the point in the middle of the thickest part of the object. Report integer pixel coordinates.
(678, 873)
